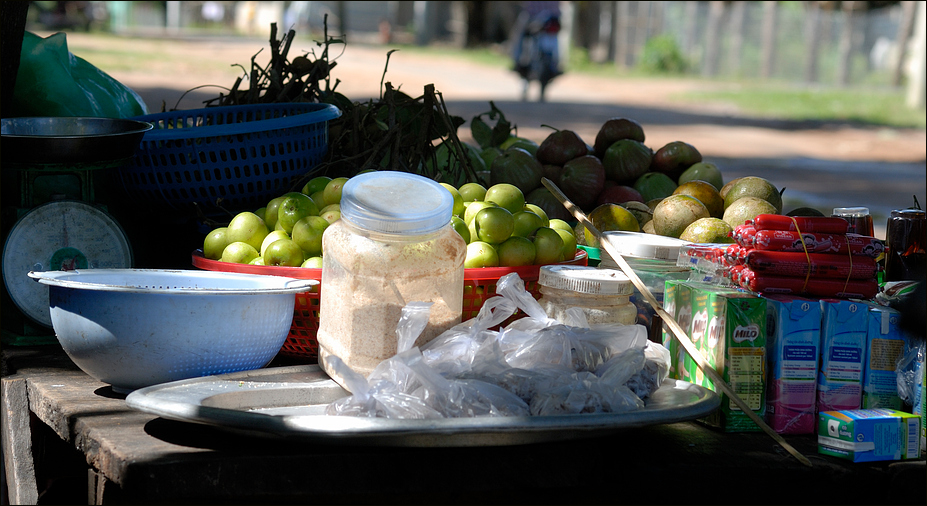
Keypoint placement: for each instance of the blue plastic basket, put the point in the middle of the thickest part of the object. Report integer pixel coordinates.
(231, 158)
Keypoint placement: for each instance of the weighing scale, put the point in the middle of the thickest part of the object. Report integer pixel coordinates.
(57, 221)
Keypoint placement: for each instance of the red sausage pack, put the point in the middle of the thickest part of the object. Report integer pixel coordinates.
(814, 287)
(817, 224)
(788, 240)
(817, 265)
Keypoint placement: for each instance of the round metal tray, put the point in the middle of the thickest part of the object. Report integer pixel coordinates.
(289, 402)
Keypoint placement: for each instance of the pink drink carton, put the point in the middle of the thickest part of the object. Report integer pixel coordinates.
(844, 329)
(793, 339)
(885, 344)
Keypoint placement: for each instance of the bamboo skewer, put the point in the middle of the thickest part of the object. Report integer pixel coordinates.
(670, 321)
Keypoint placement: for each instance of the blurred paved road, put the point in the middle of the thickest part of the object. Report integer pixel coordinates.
(823, 165)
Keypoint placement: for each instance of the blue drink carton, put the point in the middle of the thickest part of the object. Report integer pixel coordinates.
(866, 435)
(844, 331)
(885, 344)
(793, 338)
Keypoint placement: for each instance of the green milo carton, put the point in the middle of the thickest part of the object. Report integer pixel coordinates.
(729, 330)
(676, 302)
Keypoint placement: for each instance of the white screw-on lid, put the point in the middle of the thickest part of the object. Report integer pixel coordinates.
(643, 245)
(584, 279)
(396, 203)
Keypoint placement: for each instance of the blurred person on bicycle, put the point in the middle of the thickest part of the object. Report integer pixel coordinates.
(535, 45)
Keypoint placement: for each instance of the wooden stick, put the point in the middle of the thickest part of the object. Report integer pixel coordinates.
(678, 332)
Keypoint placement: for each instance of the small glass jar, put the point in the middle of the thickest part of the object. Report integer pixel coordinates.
(393, 245)
(905, 245)
(603, 295)
(858, 217)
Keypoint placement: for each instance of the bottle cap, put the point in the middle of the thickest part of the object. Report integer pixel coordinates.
(395, 202)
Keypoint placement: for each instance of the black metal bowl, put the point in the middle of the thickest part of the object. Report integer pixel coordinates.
(69, 140)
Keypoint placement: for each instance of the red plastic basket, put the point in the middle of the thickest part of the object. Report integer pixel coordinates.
(479, 285)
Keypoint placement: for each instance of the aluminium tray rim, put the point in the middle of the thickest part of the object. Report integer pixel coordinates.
(234, 401)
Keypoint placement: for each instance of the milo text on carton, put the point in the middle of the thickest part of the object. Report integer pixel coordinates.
(729, 330)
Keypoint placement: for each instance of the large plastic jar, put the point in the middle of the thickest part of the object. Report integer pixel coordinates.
(393, 245)
(603, 295)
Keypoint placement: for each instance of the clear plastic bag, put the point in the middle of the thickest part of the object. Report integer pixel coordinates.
(583, 392)
(536, 366)
(909, 370)
(379, 399)
(452, 352)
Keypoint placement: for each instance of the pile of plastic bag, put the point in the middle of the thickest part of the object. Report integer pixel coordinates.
(534, 366)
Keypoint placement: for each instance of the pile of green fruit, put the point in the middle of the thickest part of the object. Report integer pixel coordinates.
(500, 229)
(287, 232)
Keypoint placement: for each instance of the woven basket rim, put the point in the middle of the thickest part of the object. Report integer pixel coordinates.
(315, 113)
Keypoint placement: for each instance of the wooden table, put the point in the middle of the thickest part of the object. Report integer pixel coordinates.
(69, 438)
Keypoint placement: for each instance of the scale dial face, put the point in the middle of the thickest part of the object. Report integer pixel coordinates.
(60, 235)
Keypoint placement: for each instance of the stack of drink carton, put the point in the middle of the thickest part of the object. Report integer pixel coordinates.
(728, 328)
(789, 357)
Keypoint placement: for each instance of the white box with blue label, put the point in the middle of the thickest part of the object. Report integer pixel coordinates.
(844, 330)
(867, 435)
(793, 339)
(885, 344)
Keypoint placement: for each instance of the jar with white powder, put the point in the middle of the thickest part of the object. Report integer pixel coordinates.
(603, 295)
(393, 245)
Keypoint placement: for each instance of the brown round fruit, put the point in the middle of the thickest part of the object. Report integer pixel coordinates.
(609, 217)
(640, 211)
(706, 194)
(703, 171)
(676, 212)
(727, 187)
(708, 230)
(752, 186)
(746, 209)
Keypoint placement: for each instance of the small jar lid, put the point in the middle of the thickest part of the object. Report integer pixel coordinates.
(645, 246)
(851, 211)
(395, 202)
(910, 214)
(583, 279)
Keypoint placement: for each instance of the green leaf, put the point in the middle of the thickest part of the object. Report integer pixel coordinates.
(482, 133)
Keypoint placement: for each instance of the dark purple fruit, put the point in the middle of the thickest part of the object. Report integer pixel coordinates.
(616, 129)
(582, 179)
(626, 160)
(560, 147)
(619, 194)
(674, 158)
